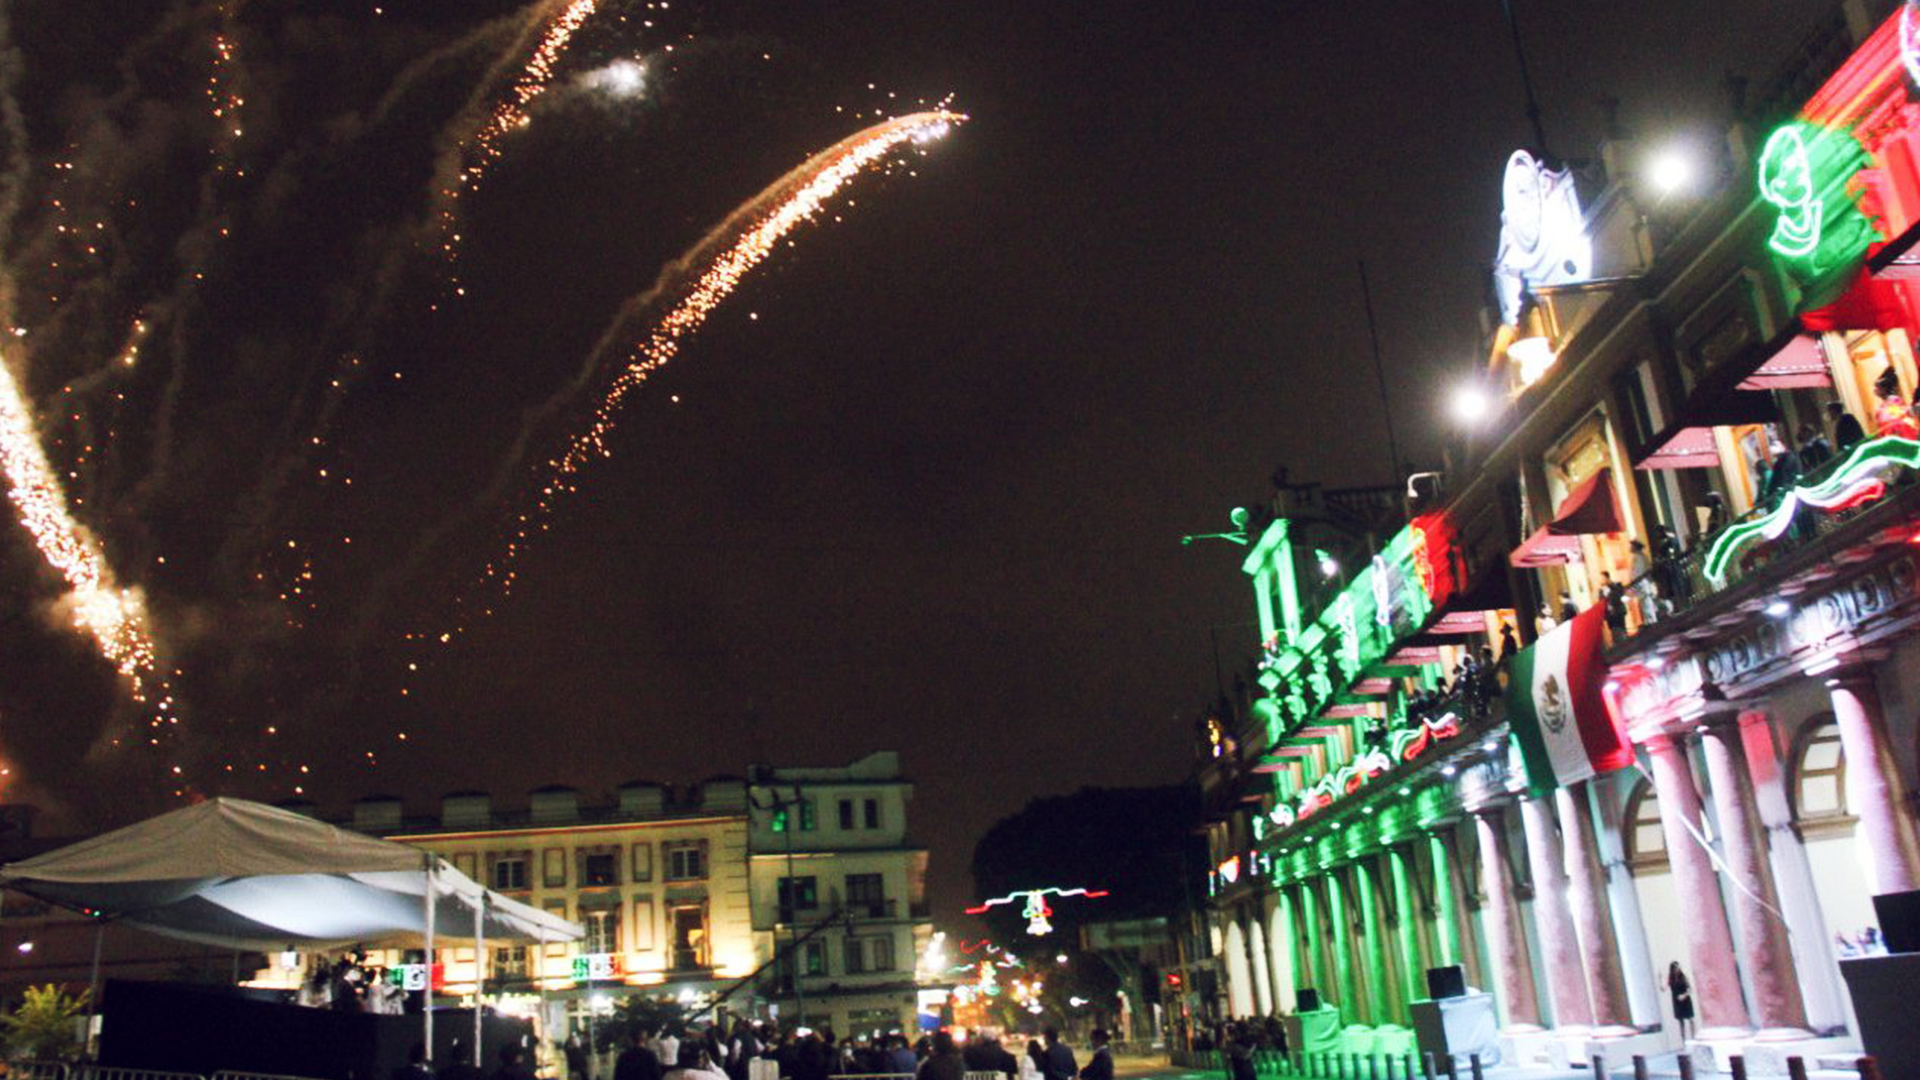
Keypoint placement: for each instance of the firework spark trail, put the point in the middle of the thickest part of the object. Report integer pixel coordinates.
(466, 160)
(720, 259)
(727, 254)
(115, 618)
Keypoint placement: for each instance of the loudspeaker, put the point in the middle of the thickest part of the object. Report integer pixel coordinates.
(1306, 999)
(1446, 982)
(1899, 915)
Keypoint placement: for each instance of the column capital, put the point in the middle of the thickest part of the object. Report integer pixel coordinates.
(1663, 741)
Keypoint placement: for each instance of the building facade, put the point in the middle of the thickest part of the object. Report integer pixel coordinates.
(1696, 417)
(839, 893)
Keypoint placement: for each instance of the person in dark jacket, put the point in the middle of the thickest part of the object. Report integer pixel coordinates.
(1846, 430)
(944, 1063)
(1100, 1065)
(460, 1065)
(1059, 1063)
(513, 1064)
(636, 1062)
(996, 1059)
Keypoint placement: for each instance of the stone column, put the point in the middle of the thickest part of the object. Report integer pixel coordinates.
(1352, 1001)
(1874, 789)
(1262, 978)
(1506, 940)
(1413, 962)
(1716, 981)
(1592, 916)
(1280, 940)
(1820, 985)
(1239, 993)
(1566, 976)
(1306, 941)
(1644, 991)
(1763, 934)
(1380, 988)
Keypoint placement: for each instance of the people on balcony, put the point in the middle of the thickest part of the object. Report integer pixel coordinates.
(1815, 450)
(1846, 429)
(1892, 415)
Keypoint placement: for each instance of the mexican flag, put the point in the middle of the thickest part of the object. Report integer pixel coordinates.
(1555, 708)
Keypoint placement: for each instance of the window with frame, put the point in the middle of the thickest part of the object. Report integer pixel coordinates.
(603, 930)
(846, 814)
(856, 955)
(557, 908)
(643, 862)
(553, 868)
(873, 813)
(510, 962)
(880, 954)
(867, 895)
(798, 894)
(510, 871)
(686, 860)
(1819, 774)
(813, 959)
(599, 869)
(783, 816)
(1646, 838)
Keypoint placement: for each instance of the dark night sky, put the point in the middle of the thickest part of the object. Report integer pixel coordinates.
(930, 499)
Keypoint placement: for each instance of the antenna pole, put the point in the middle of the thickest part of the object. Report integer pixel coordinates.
(1380, 376)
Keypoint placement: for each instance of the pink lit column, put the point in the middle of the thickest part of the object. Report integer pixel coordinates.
(1506, 940)
(1592, 916)
(1763, 936)
(1703, 915)
(1874, 792)
(1566, 975)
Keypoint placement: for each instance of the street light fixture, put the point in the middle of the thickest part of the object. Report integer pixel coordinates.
(1470, 405)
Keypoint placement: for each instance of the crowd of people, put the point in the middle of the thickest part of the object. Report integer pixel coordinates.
(350, 984)
(717, 1053)
(1240, 1040)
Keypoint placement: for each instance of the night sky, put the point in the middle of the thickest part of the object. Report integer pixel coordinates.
(918, 485)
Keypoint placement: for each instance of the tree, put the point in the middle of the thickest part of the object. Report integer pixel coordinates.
(1138, 845)
(46, 1026)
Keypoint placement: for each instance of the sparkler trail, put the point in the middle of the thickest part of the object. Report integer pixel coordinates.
(722, 260)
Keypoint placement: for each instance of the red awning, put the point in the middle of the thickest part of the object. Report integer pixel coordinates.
(1589, 511)
(1869, 303)
(1800, 364)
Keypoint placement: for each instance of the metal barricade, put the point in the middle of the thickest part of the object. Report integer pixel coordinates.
(103, 1072)
(226, 1074)
(38, 1070)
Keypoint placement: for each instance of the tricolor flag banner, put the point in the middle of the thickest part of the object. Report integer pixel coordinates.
(1555, 708)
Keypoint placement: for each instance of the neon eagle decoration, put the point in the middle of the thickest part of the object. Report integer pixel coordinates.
(1035, 907)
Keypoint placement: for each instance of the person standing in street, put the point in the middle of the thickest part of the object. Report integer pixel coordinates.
(513, 1064)
(1682, 992)
(944, 1063)
(636, 1062)
(1060, 1064)
(1100, 1065)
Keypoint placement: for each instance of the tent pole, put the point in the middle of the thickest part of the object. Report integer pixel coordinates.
(426, 997)
(93, 986)
(479, 969)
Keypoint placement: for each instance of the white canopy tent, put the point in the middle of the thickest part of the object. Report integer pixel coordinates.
(251, 876)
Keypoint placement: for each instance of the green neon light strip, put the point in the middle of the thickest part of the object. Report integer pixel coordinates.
(1860, 467)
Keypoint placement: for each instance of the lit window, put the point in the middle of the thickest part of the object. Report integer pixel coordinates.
(1820, 774)
(1646, 839)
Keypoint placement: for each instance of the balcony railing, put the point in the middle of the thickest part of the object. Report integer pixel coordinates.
(1676, 587)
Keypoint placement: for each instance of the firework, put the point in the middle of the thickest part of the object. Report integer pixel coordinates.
(115, 618)
(721, 261)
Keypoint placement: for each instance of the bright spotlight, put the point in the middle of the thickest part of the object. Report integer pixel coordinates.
(620, 79)
(1470, 405)
(1670, 171)
(1779, 609)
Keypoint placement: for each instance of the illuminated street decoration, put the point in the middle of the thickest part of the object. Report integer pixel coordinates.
(1805, 172)
(1408, 744)
(1543, 235)
(1035, 907)
(1860, 478)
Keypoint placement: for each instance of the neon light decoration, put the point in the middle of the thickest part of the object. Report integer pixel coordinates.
(1805, 171)
(1407, 744)
(1389, 600)
(596, 967)
(1543, 235)
(1035, 907)
(1910, 39)
(1861, 478)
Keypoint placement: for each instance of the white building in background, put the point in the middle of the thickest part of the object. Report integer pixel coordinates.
(833, 867)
